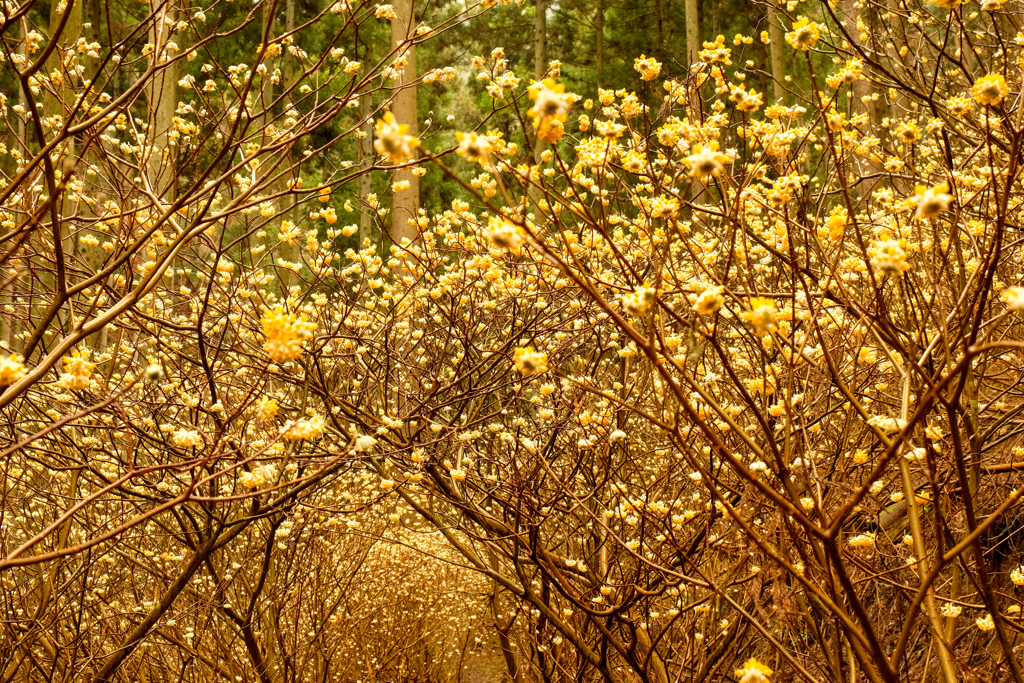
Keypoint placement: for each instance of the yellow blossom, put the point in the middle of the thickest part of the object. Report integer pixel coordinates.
(284, 334)
(990, 90)
(763, 315)
(804, 35)
(648, 68)
(393, 141)
(12, 368)
(529, 362)
(77, 370)
(753, 671)
(550, 109)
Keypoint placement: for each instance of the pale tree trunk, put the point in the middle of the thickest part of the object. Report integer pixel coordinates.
(68, 38)
(599, 48)
(289, 25)
(64, 99)
(694, 39)
(365, 181)
(162, 101)
(900, 104)
(267, 85)
(693, 31)
(9, 323)
(91, 30)
(540, 59)
(405, 205)
(162, 94)
(778, 56)
(863, 91)
(283, 248)
(540, 40)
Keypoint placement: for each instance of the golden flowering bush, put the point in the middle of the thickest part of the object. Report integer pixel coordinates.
(772, 341)
(704, 386)
(162, 516)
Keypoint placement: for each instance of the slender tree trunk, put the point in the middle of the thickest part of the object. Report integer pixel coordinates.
(540, 40)
(285, 249)
(694, 34)
(68, 38)
(540, 60)
(659, 17)
(8, 320)
(163, 101)
(365, 182)
(91, 30)
(778, 55)
(862, 92)
(289, 25)
(63, 99)
(22, 97)
(599, 48)
(266, 85)
(406, 203)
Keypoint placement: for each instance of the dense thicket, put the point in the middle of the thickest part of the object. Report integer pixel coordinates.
(661, 342)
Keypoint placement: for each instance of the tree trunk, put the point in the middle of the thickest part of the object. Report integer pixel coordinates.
(288, 88)
(406, 203)
(289, 26)
(540, 63)
(162, 94)
(91, 30)
(267, 86)
(68, 38)
(540, 40)
(62, 100)
(659, 17)
(365, 182)
(599, 48)
(694, 34)
(778, 56)
(6, 297)
(862, 91)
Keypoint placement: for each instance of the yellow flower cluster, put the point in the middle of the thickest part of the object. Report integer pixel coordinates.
(77, 371)
(393, 141)
(12, 368)
(529, 362)
(285, 333)
(550, 109)
(305, 429)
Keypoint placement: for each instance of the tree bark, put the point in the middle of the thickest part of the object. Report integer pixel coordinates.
(365, 181)
(284, 249)
(862, 92)
(162, 94)
(659, 17)
(694, 34)
(778, 56)
(599, 47)
(406, 203)
(540, 66)
(68, 38)
(540, 40)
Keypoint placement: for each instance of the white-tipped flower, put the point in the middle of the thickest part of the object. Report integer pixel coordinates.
(363, 443)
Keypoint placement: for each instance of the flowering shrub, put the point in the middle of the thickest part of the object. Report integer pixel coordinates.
(686, 382)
